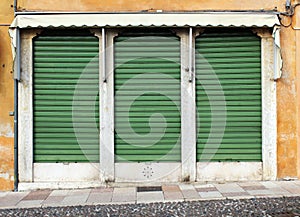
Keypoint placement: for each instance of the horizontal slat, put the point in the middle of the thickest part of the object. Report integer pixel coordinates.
(231, 146)
(65, 152)
(61, 43)
(66, 158)
(66, 143)
(232, 157)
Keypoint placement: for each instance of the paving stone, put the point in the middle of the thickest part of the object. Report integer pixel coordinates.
(197, 185)
(190, 194)
(254, 187)
(229, 187)
(242, 197)
(59, 193)
(154, 196)
(99, 190)
(249, 184)
(53, 200)
(289, 186)
(79, 191)
(269, 184)
(211, 194)
(173, 195)
(124, 195)
(279, 191)
(126, 190)
(3, 193)
(29, 203)
(186, 187)
(170, 188)
(98, 198)
(262, 192)
(235, 194)
(12, 198)
(37, 195)
(74, 200)
(206, 189)
(297, 182)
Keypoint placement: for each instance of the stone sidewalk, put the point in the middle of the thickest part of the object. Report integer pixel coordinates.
(164, 193)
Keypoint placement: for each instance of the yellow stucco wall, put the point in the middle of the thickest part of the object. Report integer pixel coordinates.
(139, 5)
(288, 92)
(6, 98)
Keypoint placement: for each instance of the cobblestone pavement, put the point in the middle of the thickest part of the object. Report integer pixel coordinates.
(266, 198)
(228, 207)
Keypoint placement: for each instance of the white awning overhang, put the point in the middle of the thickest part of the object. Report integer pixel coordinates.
(100, 20)
(226, 19)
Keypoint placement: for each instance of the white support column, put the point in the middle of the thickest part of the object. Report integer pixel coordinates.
(25, 109)
(269, 117)
(107, 170)
(188, 107)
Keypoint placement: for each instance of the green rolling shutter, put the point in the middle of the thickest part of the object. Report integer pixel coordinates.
(65, 97)
(147, 97)
(235, 58)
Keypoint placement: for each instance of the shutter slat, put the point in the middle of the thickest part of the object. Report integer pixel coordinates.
(65, 94)
(152, 55)
(234, 58)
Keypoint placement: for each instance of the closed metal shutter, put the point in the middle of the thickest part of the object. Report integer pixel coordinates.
(147, 97)
(235, 58)
(65, 97)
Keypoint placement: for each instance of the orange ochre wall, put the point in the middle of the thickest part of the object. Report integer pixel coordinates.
(6, 98)
(288, 87)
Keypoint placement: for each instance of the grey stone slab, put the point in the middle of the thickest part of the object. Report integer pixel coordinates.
(53, 200)
(126, 190)
(3, 193)
(235, 194)
(270, 184)
(211, 195)
(190, 194)
(124, 195)
(243, 184)
(155, 196)
(289, 186)
(29, 203)
(12, 199)
(206, 189)
(186, 187)
(262, 192)
(75, 200)
(79, 191)
(279, 190)
(59, 193)
(199, 185)
(229, 188)
(98, 198)
(102, 189)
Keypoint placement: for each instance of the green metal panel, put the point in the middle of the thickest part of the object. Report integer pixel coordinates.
(147, 97)
(234, 57)
(65, 97)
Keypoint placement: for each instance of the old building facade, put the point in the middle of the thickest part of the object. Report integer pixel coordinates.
(148, 92)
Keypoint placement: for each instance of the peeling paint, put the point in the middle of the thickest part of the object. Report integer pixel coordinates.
(4, 175)
(6, 130)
